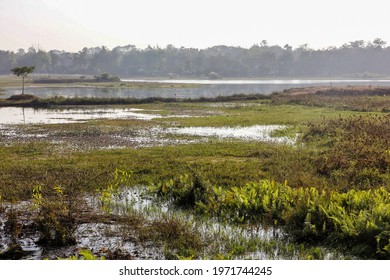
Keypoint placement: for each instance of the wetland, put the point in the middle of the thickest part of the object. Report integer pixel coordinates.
(298, 174)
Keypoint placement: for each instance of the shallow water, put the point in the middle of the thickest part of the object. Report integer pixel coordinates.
(10, 117)
(14, 115)
(255, 133)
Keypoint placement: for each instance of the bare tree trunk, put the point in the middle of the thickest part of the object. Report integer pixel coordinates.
(23, 86)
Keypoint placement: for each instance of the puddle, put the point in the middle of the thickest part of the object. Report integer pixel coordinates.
(11, 115)
(251, 133)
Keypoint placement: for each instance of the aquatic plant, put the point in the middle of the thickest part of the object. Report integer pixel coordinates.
(185, 190)
(180, 238)
(359, 219)
(84, 254)
(121, 178)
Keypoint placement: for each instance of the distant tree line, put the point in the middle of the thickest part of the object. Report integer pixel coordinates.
(358, 59)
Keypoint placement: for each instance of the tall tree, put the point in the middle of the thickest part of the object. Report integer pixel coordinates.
(23, 71)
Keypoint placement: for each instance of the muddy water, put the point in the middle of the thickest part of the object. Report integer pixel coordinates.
(271, 242)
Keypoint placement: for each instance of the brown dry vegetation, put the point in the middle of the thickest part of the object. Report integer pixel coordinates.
(363, 99)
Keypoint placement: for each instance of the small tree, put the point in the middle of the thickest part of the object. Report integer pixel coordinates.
(23, 71)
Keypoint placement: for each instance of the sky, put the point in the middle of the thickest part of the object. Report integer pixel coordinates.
(71, 25)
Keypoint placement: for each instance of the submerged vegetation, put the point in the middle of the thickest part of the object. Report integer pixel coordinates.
(328, 190)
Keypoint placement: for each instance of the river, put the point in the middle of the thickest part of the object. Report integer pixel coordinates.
(202, 88)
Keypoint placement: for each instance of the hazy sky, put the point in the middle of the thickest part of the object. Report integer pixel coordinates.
(73, 24)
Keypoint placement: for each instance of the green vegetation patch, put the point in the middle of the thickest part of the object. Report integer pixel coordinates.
(356, 219)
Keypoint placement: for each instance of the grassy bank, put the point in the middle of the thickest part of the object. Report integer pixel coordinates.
(27, 100)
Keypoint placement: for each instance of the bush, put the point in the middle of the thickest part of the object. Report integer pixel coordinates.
(106, 77)
(22, 97)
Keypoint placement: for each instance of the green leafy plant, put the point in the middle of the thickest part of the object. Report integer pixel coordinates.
(186, 190)
(84, 254)
(359, 219)
(121, 178)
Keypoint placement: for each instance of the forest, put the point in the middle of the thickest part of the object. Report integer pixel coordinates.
(357, 59)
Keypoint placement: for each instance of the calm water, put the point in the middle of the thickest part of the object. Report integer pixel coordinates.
(205, 88)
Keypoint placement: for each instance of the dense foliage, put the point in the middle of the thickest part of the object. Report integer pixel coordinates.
(357, 219)
(358, 59)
